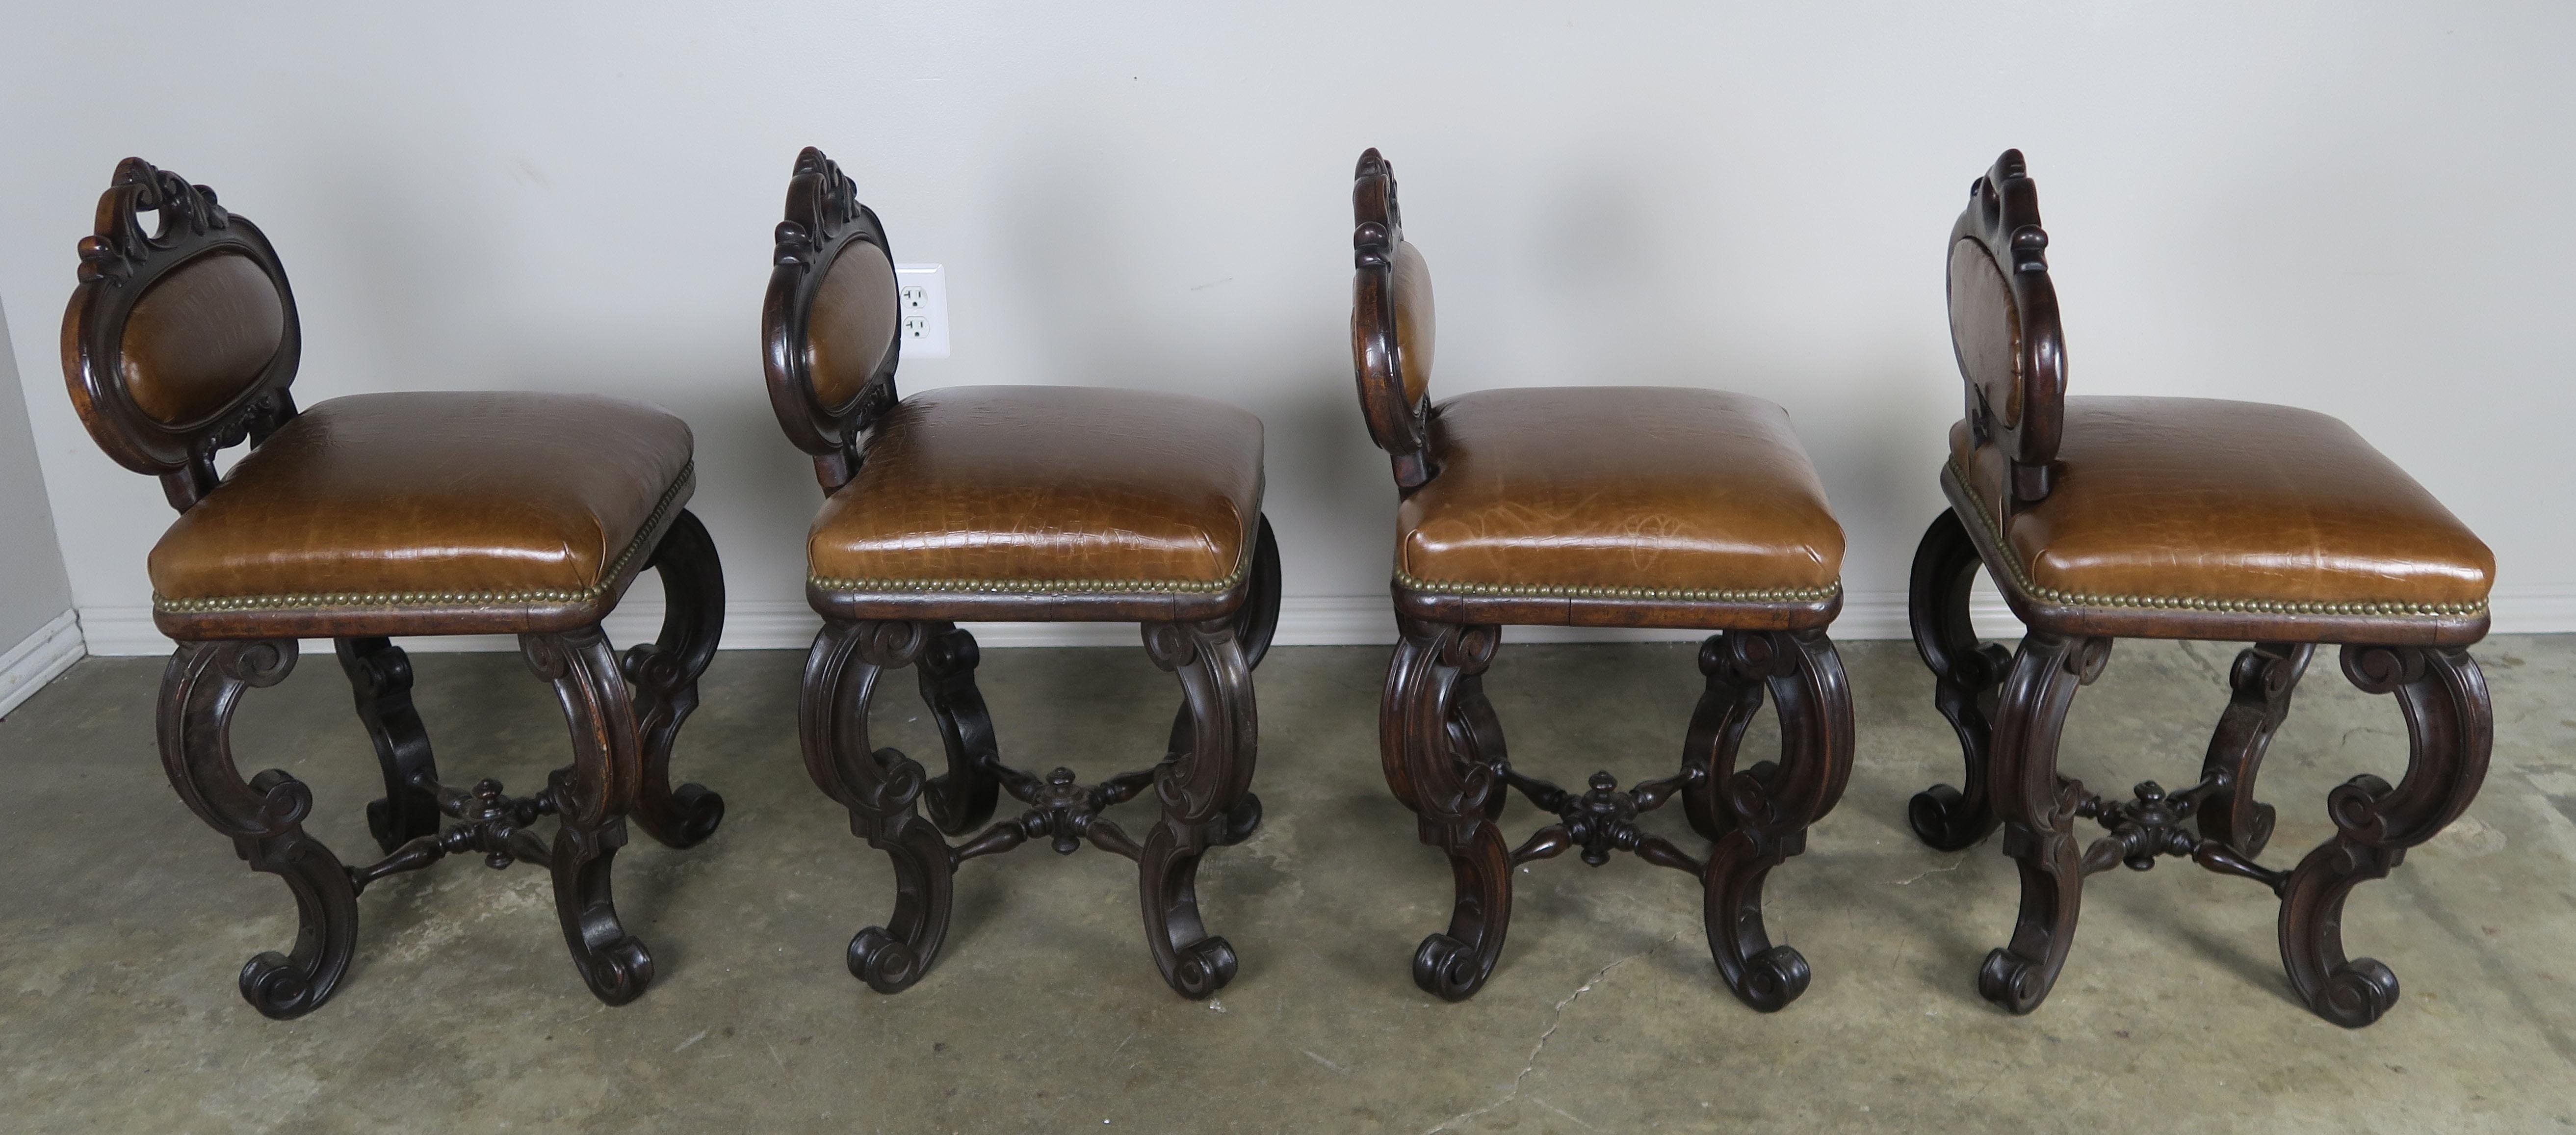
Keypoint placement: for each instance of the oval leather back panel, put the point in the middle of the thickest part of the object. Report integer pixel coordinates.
(1415, 328)
(1986, 328)
(200, 337)
(852, 325)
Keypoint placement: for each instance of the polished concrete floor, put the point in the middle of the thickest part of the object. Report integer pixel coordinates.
(123, 921)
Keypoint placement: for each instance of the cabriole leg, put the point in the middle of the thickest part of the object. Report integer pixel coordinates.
(1448, 786)
(1759, 817)
(1966, 677)
(380, 677)
(880, 788)
(2038, 812)
(1199, 791)
(589, 798)
(665, 676)
(199, 692)
(2450, 728)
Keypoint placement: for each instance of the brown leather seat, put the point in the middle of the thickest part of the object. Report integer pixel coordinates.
(2233, 506)
(1621, 492)
(1046, 488)
(528, 503)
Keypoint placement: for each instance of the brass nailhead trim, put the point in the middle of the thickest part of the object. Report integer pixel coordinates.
(1042, 586)
(2021, 579)
(616, 569)
(1589, 591)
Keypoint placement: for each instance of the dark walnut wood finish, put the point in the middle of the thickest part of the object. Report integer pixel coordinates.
(164, 385)
(1440, 740)
(831, 350)
(2028, 453)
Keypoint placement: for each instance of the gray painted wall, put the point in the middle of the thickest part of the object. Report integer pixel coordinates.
(2352, 207)
(33, 590)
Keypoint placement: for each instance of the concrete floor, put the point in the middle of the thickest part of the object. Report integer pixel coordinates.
(123, 921)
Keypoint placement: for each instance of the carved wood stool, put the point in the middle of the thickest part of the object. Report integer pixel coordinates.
(378, 515)
(2177, 518)
(1598, 507)
(1054, 504)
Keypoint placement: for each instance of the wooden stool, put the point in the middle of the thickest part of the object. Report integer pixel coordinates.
(2177, 518)
(1595, 507)
(1054, 504)
(378, 515)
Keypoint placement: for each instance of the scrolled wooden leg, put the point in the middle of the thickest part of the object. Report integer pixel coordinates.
(380, 678)
(2038, 810)
(1254, 623)
(1475, 728)
(264, 818)
(1767, 808)
(1967, 676)
(2450, 727)
(665, 676)
(1259, 619)
(1717, 727)
(1199, 792)
(1449, 790)
(588, 798)
(2262, 679)
(963, 797)
(881, 789)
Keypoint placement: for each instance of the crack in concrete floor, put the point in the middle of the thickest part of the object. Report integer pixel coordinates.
(1554, 1020)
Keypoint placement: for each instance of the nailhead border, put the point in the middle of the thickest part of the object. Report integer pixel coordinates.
(616, 570)
(2021, 579)
(1592, 591)
(1242, 569)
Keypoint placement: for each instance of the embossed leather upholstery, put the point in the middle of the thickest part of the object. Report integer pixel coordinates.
(202, 334)
(1046, 488)
(1986, 329)
(2201, 503)
(526, 502)
(853, 323)
(1620, 492)
(1416, 325)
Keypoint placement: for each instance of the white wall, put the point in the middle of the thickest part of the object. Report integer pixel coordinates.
(38, 635)
(2356, 208)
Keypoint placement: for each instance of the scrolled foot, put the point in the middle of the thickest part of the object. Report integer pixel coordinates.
(1774, 978)
(1944, 819)
(1240, 823)
(280, 991)
(618, 972)
(887, 964)
(2012, 981)
(2357, 993)
(1205, 966)
(1447, 967)
(695, 813)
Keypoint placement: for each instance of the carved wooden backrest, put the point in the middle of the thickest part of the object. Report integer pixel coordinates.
(182, 337)
(1392, 325)
(2003, 324)
(828, 328)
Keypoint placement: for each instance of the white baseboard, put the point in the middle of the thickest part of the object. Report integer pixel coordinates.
(1336, 621)
(38, 659)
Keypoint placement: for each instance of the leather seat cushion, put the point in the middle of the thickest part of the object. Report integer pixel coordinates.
(445, 497)
(1046, 488)
(1624, 492)
(2202, 503)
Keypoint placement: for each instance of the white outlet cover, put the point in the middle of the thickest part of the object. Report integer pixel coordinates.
(922, 294)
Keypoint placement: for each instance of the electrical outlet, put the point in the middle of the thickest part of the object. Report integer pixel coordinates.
(922, 297)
